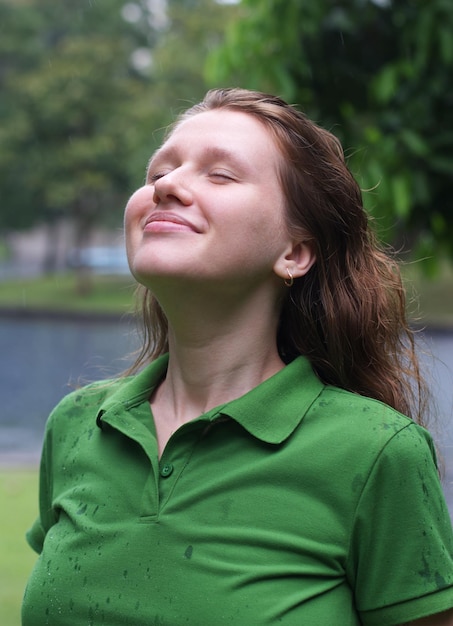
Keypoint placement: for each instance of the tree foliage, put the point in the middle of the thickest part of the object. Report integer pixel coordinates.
(84, 85)
(62, 132)
(380, 75)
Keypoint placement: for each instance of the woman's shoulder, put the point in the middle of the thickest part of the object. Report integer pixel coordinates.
(363, 421)
(86, 399)
(366, 438)
(356, 406)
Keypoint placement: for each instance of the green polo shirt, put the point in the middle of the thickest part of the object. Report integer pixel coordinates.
(296, 504)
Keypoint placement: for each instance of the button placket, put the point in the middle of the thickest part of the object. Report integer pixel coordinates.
(167, 479)
(175, 459)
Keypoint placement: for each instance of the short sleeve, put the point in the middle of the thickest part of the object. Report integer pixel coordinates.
(36, 534)
(400, 563)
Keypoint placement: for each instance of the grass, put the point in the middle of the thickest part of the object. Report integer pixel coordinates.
(18, 503)
(61, 293)
(114, 294)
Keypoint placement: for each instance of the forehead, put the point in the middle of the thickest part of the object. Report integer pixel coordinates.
(221, 118)
(223, 130)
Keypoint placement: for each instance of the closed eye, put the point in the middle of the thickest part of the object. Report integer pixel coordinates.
(152, 178)
(222, 176)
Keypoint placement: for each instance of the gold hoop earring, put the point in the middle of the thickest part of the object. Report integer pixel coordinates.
(289, 282)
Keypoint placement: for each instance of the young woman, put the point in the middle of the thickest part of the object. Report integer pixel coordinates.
(256, 467)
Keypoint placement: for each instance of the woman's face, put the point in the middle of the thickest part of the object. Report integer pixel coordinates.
(212, 208)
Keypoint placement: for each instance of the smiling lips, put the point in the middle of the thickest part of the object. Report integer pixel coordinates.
(162, 221)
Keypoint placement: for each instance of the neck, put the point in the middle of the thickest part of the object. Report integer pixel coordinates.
(218, 352)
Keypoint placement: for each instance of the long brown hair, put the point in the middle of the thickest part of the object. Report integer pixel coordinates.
(348, 314)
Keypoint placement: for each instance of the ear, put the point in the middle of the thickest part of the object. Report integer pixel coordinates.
(296, 260)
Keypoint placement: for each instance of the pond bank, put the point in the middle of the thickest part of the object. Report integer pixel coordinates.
(55, 314)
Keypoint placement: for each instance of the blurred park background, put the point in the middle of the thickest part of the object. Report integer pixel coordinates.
(87, 88)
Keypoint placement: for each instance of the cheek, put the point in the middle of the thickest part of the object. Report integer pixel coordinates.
(128, 232)
(138, 203)
(132, 221)
(266, 225)
(136, 209)
(129, 211)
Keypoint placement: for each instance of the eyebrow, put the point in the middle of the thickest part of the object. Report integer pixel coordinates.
(211, 152)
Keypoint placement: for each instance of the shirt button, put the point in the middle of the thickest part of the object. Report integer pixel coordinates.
(166, 470)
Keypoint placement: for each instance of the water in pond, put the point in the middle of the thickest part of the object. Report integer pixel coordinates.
(43, 360)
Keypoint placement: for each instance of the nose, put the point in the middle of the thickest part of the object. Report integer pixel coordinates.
(172, 187)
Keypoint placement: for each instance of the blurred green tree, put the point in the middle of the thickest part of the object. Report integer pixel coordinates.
(379, 73)
(85, 85)
(69, 87)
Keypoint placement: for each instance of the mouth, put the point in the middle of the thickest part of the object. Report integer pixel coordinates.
(162, 221)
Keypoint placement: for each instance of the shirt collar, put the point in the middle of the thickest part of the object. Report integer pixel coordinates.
(134, 390)
(270, 412)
